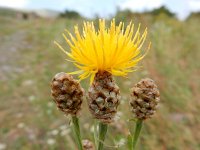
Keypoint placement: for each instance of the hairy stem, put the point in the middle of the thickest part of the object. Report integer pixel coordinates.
(95, 134)
(102, 134)
(76, 130)
(138, 128)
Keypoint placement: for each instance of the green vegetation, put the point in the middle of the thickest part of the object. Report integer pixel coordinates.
(28, 60)
(162, 10)
(70, 14)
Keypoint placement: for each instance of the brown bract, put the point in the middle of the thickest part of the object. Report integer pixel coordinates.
(103, 97)
(144, 99)
(67, 93)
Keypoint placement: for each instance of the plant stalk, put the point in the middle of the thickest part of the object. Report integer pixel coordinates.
(95, 134)
(102, 134)
(76, 130)
(138, 128)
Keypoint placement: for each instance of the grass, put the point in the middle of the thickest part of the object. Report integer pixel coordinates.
(29, 59)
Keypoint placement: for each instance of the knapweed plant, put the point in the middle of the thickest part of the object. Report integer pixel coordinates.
(101, 54)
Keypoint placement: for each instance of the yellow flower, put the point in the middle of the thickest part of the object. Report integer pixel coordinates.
(113, 49)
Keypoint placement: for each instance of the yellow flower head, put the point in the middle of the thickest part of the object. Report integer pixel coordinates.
(115, 49)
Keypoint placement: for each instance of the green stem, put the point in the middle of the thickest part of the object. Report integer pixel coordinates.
(102, 134)
(129, 142)
(95, 134)
(76, 130)
(138, 128)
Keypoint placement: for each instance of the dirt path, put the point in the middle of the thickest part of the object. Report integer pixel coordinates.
(10, 48)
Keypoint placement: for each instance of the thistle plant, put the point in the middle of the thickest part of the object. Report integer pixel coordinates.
(103, 100)
(144, 101)
(68, 95)
(101, 54)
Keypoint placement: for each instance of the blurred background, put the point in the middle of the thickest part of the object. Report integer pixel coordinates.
(29, 119)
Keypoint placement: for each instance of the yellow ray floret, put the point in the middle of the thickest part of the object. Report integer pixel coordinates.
(116, 50)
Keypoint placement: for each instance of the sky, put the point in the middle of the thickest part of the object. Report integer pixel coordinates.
(106, 8)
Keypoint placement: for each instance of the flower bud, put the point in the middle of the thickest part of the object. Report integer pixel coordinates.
(67, 93)
(144, 99)
(88, 145)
